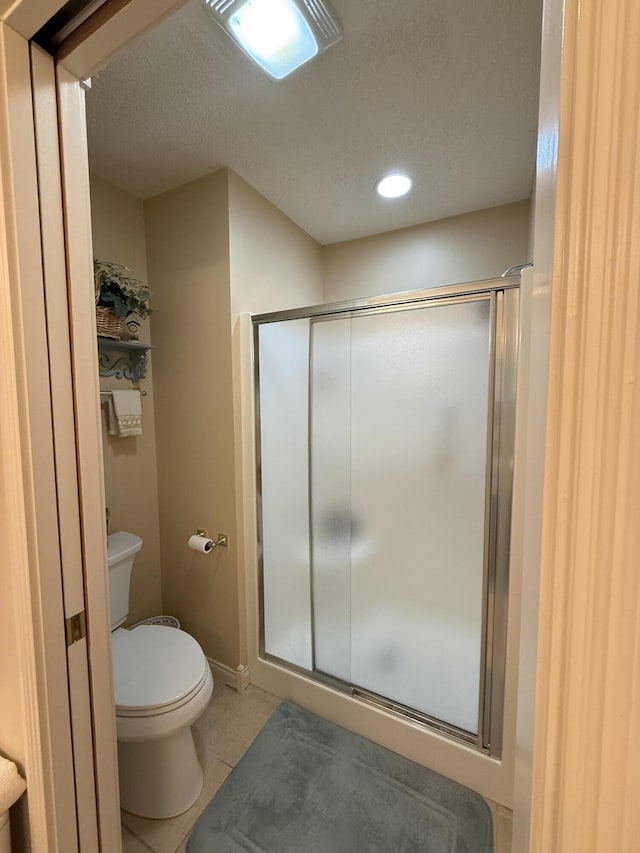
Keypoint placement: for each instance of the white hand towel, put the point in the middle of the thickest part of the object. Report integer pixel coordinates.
(12, 785)
(125, 413)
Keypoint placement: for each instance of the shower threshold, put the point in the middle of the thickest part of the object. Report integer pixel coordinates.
(383, 703)
(416, 716)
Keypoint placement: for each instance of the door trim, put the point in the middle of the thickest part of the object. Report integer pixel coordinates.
(586, 783)
(84, 360)
(32, 558)
(69, 722)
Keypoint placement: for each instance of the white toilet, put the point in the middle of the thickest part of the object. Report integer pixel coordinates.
(162, 684)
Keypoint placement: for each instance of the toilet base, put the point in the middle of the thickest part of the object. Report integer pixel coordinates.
(159, 778)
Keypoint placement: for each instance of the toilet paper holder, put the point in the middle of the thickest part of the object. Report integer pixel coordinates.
(222, 541)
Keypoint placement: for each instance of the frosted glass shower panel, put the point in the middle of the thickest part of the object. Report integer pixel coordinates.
(419, 405)
(284, 445)
(331, 495)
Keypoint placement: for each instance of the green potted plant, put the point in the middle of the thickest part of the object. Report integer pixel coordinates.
(118, 295)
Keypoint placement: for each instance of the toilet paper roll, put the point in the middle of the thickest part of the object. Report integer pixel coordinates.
(200, 543)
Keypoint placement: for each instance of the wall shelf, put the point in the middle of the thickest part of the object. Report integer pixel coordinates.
(123, 359)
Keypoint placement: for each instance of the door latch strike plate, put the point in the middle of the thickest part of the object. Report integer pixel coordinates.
(75, 628)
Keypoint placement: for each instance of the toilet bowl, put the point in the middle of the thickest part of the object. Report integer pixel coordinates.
(162, 684)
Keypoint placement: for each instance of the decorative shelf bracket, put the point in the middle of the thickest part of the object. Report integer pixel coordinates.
(123, 359)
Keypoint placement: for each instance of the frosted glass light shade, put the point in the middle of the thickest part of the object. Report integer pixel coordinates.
(274, 34)
(278, 35)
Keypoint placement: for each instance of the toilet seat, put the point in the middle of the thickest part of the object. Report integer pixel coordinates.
(150, 711)
(156, 669)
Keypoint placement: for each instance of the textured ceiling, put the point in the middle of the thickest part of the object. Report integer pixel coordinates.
(444, 89)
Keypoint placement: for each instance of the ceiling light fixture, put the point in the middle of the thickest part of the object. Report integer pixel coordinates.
(279, 35)
(394, 186)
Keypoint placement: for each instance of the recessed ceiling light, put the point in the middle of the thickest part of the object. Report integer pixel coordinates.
(394, 186)
(279, 35)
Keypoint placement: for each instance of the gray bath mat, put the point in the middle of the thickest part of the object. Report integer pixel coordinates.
(307, 786)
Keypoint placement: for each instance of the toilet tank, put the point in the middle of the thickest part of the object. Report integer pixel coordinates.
(122, 548)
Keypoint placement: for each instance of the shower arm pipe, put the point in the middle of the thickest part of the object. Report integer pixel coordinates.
(403, 298)
(515, 270)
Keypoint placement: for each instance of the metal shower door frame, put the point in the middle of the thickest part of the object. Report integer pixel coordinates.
(503, 296)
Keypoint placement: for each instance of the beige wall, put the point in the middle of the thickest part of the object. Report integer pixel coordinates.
(188, 259)
(275, 265)
(216, 248)
(470, 247)
(131, 483)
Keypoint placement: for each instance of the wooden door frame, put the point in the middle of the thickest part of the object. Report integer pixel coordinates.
(30, 543)
(586, 749)
(586, 237)
(88, 437)
(51, 450)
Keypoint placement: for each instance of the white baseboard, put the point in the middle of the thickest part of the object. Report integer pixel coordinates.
(237, 678)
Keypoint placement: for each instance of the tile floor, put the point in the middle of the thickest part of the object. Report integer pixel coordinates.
(222, 735)
(502, 826)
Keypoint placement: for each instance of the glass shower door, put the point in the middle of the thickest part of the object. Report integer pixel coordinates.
(399, 413)
(385, 452)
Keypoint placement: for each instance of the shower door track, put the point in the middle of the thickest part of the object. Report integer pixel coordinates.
(503, 294)
(406, 298)
(375, 699)
(416, 716)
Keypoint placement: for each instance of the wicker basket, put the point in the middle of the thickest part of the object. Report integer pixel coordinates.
(108, 325)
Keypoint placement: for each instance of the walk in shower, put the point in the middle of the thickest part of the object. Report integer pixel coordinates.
(385, 451)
